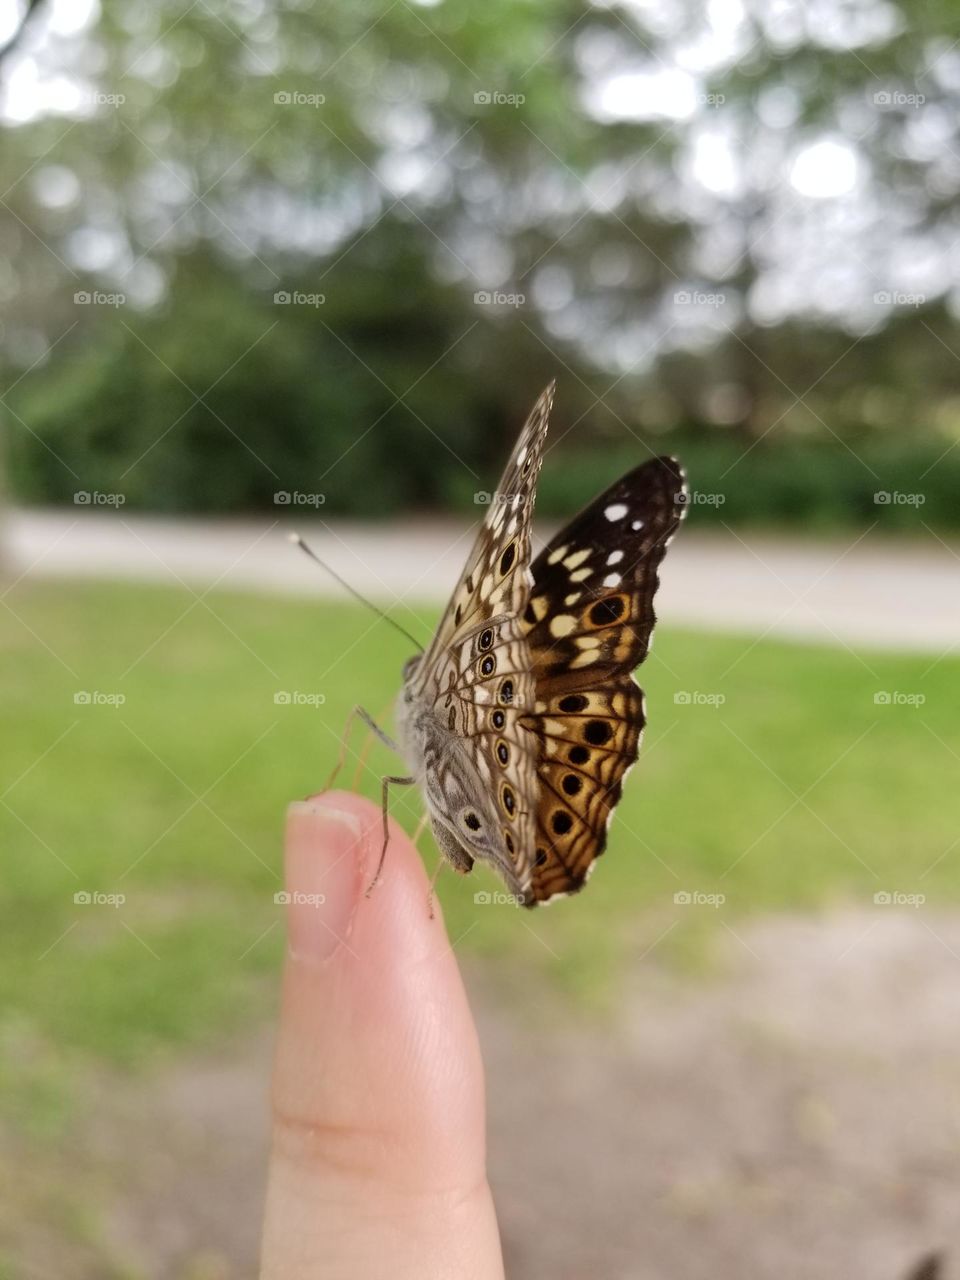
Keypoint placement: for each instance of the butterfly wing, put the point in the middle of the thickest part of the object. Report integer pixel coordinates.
(588, 624)
(496, 577)
(477, 678)
(483, 786)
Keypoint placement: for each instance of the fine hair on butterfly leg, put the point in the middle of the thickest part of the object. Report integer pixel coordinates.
(386, 784)
(368, 720)
(436, 870)
(364, 753)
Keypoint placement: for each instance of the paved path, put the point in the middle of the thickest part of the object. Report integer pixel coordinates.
(872, 592)
(792, 1115)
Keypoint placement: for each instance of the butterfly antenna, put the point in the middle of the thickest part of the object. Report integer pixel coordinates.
(295, 537)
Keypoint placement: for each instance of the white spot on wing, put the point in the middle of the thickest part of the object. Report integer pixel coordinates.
(562, 625)
(616, 511)
(614, 557)
(585, 657)
(612, 580)
(577, 558)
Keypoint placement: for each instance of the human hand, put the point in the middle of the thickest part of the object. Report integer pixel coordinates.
(378, 1159)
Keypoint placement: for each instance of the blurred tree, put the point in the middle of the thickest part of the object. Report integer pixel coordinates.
(260, 246)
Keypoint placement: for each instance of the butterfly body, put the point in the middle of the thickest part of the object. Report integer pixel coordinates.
(522, 718)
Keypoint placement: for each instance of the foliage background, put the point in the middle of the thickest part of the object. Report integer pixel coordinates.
(733, 228)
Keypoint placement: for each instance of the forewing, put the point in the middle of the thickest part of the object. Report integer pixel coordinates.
(477, 674)
(497, 574)
(588, 624)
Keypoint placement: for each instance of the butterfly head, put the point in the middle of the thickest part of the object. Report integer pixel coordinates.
(410, 666)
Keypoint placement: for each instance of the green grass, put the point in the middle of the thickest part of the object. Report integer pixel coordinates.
(175, 799)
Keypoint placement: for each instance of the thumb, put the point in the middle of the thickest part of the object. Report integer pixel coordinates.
(378, 1160)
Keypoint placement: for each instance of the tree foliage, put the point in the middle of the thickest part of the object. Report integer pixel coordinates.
(731, 228)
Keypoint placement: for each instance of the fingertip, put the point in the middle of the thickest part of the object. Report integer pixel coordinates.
(324, 860)
(334, 844)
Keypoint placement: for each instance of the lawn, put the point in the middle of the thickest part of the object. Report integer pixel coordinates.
(797, 790)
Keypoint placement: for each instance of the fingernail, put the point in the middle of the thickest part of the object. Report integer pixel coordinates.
(324, 864)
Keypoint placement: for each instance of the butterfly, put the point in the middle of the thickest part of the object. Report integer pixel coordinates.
(522, 718)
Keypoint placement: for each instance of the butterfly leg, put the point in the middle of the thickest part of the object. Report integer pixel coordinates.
(425, 817)
(387, 783)
(367, 745)
(371, 724)
(433, 885)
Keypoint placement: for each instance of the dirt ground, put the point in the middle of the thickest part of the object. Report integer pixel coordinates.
(795, 1114)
